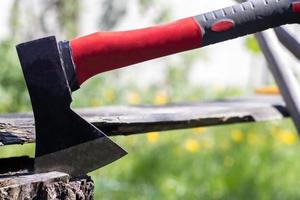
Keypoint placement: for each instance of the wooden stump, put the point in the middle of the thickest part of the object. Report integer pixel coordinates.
(52, 185)
(24, 184)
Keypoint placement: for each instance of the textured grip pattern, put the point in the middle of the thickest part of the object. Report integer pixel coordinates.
(245, 18)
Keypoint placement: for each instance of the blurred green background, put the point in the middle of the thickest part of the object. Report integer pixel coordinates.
(252, 161)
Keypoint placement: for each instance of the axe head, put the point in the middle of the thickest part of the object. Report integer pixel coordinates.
(64, 141)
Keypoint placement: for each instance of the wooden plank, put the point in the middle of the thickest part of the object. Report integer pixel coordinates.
(127, 120)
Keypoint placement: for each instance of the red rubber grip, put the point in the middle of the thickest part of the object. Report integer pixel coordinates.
(104, 51)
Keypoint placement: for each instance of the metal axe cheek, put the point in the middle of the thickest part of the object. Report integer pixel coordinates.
(64, 141)
(72, 145)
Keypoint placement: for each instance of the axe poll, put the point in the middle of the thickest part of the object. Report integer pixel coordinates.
(64, 141)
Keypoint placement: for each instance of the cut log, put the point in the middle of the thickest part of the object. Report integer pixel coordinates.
(127, 120)
(17, 181)
(51, 185)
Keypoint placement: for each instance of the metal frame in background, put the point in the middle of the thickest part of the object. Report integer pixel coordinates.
(283, 76)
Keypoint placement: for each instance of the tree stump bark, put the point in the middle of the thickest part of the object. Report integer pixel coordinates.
(25, 185)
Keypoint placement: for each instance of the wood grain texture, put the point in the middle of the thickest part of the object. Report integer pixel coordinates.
(51, 185)
(18, 181)
(127, 120)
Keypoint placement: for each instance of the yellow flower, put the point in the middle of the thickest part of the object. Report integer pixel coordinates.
(237, 136)
(199, 131)
(161, 98)
(133, 98)
(109, 95)
(153, 137)
(192, 145)
(286, 137)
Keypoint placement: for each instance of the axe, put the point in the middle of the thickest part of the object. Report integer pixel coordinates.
(64, 141)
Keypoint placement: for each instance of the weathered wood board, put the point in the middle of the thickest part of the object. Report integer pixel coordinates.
(127, 120)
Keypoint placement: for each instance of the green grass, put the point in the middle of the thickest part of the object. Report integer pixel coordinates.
(210, 165)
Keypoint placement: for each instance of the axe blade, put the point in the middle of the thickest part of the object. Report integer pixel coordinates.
(83, 157)
(64, 141)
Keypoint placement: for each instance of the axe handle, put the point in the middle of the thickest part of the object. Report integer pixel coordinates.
(104, 51)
